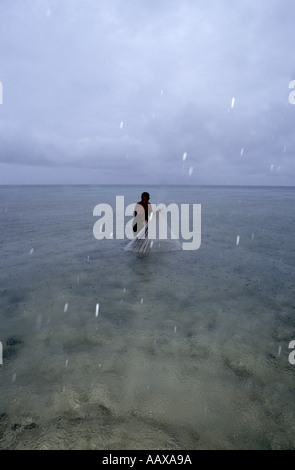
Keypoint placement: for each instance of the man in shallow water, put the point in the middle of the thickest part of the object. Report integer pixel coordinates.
(142, 212)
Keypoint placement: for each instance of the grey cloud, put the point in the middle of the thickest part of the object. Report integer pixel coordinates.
(73, 71)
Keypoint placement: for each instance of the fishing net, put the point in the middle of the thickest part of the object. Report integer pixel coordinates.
(155, 236)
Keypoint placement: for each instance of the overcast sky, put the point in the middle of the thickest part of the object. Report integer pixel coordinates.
(147, 92)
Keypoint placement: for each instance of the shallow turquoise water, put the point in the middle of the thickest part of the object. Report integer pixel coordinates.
(189, 349)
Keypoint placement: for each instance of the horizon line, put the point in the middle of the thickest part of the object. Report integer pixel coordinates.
(153, 184)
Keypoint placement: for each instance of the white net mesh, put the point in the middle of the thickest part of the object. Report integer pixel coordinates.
(155, 236)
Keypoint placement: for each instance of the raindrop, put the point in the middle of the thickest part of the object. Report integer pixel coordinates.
(238, 240)
(31, 251)
(253, 236)
(66, 307)
(280, 350)
(271, 167)
(242, 152)
(67, 361)
(184, 156)
(97, 310)
(13, 378)
(233, 100)
(162, 92)
(121, 124)
(141, 301)
(175, 328)
(38, 321)
(190, 171)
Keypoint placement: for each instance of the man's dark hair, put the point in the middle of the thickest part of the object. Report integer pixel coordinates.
(145, 195)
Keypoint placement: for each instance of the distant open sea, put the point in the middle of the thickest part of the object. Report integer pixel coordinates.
(108, 349)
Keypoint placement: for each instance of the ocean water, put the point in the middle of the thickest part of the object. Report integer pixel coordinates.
(107, 349)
